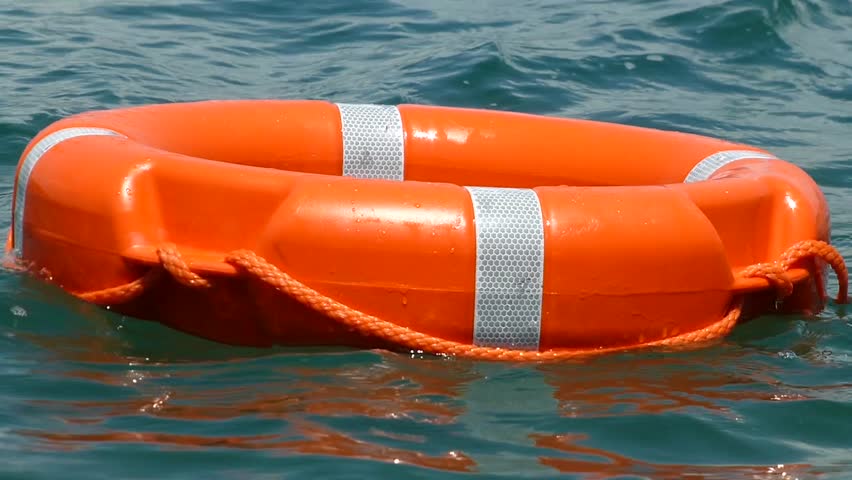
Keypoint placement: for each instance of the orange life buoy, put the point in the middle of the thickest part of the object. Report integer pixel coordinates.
(464, 231)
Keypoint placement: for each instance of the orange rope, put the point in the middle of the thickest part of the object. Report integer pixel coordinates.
(122, 293)
(776, 272)
(174, 263)
(368, 325)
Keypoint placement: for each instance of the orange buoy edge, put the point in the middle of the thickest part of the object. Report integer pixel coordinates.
(468, 232)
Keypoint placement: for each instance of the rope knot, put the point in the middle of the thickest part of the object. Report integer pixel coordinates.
(173, 262)
(776, 272)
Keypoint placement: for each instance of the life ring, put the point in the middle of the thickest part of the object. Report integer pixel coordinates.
(450, 230)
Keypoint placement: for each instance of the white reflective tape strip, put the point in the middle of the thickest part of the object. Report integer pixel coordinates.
(509, 267)
(373, 141)
(35, 154)
(710, 165)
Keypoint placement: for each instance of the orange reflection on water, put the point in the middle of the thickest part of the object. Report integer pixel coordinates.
(326, 401)
(317, 440)
(407, 390)
(324, 441)
(427, 394)
(395, 390)
(659, 385)
(605, 464)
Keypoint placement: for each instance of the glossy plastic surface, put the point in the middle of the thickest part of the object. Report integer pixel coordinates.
(632, 253)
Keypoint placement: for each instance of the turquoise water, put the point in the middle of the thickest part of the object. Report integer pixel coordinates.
(87, 394)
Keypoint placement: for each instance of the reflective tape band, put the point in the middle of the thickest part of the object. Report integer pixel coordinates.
(373, 141)
(35, 154)
(710, 165)
(509, 267)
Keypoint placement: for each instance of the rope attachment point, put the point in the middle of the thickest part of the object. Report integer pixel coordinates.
(776, 272)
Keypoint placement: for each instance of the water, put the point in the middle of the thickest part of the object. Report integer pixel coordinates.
(90, 395)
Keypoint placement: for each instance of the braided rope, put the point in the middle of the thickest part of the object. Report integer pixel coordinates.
(776, 272)
(369, 325)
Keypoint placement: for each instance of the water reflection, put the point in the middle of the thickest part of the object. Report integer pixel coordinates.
(658, 385)
(596, 463)
(387, 400)
(318, 440)
(444, 414)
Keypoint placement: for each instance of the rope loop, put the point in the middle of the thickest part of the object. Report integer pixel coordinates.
(776, 272)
